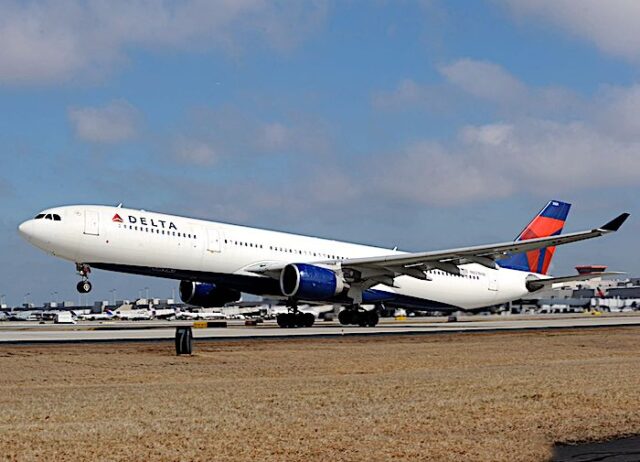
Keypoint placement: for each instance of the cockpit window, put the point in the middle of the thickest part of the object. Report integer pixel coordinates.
(56, 217)
(39, 216)
(48, 217)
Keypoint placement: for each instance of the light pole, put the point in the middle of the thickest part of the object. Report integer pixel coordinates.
(2, 298)
(146, 291)
(113, 296)
(26, 298)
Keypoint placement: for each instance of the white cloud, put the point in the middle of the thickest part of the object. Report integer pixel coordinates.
(230, 133)
(51, 41)
(481, 80)
(497, 160)
(612, 25)
(273, 135)
(195, 152)
(115, 122)
(407, 93)
(617, 109)
(484, 80)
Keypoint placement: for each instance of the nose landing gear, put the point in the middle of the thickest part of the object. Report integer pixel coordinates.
(84, 286)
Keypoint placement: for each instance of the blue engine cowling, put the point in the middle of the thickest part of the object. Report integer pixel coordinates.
(310, 282)
(207, 295)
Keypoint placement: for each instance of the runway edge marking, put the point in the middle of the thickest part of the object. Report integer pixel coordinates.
(315, 336)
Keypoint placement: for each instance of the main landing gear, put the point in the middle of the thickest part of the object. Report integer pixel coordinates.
(84, 286)
(356, 315)
(295, 318)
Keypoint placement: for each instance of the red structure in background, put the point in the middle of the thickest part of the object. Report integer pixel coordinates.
(588, 269)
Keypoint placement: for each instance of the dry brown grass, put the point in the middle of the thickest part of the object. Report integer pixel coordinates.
(504, 396)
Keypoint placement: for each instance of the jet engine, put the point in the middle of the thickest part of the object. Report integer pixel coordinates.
(206, 294)
(310, 282)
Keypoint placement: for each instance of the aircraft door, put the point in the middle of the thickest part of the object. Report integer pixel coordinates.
(213, 241)
(92, 222)
(493, 282)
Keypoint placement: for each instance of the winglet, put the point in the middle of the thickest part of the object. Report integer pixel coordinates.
(614, 225)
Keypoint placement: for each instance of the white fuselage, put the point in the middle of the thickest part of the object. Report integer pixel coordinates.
(167, 246)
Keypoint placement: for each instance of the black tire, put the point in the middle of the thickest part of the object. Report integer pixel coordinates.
(299, 320)
(372, 318)
(309, 319)
(287, 320)
(84, 287)
(345, 317)
(281, 320)
(362, 319)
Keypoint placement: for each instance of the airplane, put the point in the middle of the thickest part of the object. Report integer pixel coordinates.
(215, 262)
(106, 316)
(199, 315)
(133, 315)
(163, 313)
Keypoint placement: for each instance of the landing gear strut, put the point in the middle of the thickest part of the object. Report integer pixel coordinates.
(84, 286)
(356, 315)
(295, 318)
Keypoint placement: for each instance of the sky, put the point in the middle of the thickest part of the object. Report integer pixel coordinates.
(419, 124)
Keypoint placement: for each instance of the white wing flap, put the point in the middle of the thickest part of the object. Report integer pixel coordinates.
(537, 284)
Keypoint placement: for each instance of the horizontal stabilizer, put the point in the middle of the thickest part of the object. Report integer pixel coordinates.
(538, 284)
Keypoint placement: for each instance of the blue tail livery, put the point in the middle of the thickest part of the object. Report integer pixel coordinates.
(549, 222)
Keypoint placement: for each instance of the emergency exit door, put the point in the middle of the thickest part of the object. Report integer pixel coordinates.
(213, 241)
(91, 222)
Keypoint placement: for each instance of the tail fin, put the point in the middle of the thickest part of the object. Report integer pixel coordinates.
(549, 222)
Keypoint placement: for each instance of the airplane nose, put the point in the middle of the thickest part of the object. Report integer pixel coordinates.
(23, 229)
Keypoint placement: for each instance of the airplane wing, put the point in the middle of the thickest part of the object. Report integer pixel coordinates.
(374, 270)
(414, 264)
(537, 284)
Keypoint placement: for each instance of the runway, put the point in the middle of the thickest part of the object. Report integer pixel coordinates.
(17, 333)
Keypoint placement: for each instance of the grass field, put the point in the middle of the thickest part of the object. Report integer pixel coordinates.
(506, 396)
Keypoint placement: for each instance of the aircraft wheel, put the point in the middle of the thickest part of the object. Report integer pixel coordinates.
(362, 319)
(299, 320)
(287, 320)
(309, 319)
(84, 287)
(373, 318)
(345, 317)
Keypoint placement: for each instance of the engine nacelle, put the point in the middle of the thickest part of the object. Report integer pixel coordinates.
(206, 294)
(310, 282)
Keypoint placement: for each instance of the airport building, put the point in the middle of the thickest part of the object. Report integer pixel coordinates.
(601, 294)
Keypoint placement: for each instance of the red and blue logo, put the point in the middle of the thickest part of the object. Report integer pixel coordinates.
(549, 222)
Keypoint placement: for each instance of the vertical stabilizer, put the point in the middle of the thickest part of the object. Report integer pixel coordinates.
(549, 222)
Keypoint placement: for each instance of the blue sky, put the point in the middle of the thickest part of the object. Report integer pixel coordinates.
(420, 124)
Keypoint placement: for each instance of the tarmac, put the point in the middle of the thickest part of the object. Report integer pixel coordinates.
(122, 331)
